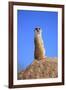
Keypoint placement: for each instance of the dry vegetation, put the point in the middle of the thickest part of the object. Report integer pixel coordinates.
(47, 68)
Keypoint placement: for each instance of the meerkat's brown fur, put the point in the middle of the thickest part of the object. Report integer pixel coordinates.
(39, 52)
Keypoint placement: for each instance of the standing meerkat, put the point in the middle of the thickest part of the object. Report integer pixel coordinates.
(39, 52)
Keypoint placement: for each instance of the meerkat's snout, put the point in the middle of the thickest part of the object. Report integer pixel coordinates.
(39, 52)
(38, 32)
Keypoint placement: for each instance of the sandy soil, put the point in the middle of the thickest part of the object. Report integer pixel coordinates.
(46, 68)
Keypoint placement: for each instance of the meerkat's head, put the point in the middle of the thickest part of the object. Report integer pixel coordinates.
(38, 31)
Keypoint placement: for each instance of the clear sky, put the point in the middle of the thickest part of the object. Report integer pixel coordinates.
(27, 22)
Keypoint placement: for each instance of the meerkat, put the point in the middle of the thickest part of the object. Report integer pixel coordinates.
(39, 52)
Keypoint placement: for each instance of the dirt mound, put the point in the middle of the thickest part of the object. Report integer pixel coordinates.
(40, 69)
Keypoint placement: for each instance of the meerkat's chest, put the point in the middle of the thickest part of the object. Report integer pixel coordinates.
(38, 39)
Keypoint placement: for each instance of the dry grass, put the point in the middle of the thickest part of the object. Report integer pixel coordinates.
(47, 68)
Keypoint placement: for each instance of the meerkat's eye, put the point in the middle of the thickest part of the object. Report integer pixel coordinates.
(35, 28)
(39, 28)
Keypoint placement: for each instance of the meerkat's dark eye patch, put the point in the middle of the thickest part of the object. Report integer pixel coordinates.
(37, 29)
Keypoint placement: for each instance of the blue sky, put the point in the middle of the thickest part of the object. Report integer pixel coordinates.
(27, 22)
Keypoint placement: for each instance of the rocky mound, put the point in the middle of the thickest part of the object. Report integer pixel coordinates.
(40, 69)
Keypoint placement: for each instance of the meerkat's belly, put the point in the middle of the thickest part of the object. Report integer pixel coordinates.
(39, 48)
